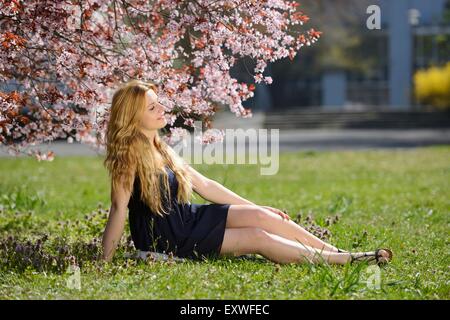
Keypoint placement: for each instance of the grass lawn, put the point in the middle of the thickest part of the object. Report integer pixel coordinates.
(393, 198)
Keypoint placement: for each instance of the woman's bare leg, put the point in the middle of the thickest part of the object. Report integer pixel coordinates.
(241, 216)
(240, 241)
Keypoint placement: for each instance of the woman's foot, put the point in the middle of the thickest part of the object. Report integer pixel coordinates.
(379, 256)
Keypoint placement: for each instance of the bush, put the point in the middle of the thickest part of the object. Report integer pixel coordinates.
(432, 86)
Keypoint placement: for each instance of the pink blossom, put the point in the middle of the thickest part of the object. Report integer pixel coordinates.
(268, 80)
(70, 58)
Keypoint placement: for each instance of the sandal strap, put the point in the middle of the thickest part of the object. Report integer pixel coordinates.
(372, 256)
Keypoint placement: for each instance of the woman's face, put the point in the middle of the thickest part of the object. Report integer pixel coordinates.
(153, 116)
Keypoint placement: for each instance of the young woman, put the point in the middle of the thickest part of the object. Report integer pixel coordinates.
(155, 184)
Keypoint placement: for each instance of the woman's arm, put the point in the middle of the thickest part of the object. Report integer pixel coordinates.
(213, 191)
(116, 222)
(113, 232)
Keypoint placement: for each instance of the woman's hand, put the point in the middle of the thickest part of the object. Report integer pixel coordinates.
(278, 212)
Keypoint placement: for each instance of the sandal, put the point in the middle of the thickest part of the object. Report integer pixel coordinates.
(374, 258)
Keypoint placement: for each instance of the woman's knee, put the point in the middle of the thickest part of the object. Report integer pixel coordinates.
(257, 235)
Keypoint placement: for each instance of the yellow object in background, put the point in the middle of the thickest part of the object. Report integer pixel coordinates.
(432, 86)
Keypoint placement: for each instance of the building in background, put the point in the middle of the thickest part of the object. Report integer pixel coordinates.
(352, 67)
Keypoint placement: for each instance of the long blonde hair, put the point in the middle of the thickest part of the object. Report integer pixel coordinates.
(129, 152)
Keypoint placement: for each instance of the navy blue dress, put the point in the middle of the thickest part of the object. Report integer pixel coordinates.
(192, 231)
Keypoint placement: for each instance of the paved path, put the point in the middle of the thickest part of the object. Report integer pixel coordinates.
(361, 139)
(302, 140)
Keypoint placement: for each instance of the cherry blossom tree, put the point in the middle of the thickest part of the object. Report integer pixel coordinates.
(65, 58)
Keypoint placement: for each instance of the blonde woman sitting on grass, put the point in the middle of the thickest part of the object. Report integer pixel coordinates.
(155, 184)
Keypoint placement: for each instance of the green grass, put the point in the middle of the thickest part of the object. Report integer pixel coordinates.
(394, 198)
